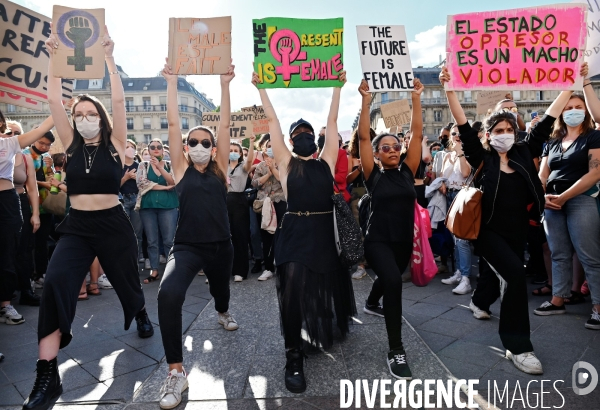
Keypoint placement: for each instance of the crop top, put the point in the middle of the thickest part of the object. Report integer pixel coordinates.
(104, 175)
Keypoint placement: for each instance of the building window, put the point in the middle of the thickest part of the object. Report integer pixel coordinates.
(163, 103)
(539, 95)
(403, 95)
(437, 116)
(384, 98)
(164, 138)
(147, 104)
(129, 123)
(163, 123)
(184, 104)
(423, 115)
(516, 95)
(11, 108)
(147, 138)
(147, 123)
(435, 96)
(184, 123)
(128, 104)
(467, 96)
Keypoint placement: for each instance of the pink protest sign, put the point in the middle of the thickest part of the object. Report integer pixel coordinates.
(535, 48)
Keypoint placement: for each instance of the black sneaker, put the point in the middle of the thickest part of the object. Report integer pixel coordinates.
(294, 371)
(398, 365)
(257, 268)
(29, 298)
(376, 310)
(593, 322)
(144, 326)
(548, 309)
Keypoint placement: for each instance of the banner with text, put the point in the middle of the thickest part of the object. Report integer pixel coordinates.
(397, 113)
(488, 99)
(592, 51)
(23, 57)
(534, 48)
(298, 53)
(260, 122)
(241, 124)
(384, 58)
(200, 46)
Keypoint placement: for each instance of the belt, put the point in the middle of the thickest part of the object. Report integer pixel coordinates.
(308, 213)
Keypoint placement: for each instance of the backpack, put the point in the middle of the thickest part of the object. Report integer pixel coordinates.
(364, 206)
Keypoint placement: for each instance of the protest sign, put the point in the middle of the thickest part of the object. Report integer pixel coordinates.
(80, 53)
(384, 58)
(260, 123)
(23, 56)
(592, 51)
(488, 99)
(200, 46)
(22, 101)
(298, 53)
(396, 113)
(535, 48)
(240, 127)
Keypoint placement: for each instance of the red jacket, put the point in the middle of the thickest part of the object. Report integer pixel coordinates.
(341, 171)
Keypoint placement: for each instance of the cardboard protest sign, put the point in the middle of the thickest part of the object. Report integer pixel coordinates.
(488, 99)
(533, 48)
(260, 123)
(240, 127)
(22, 101)
(23, 56)
(592, 50)
(80, 53)
(200, 46)
(396, 113)
(298, 53)
(384, 58)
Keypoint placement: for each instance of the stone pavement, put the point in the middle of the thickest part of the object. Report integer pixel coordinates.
(108, 368)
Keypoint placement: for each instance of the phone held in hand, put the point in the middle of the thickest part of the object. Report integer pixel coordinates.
(534, 114)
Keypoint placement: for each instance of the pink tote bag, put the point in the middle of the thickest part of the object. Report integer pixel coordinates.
(422, 263)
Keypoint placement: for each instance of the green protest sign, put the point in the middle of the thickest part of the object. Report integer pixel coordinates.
(298, 53)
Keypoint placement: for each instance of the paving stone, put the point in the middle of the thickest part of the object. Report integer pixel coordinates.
(117, 364)
(436, 342)
(426, 309)
(447, 327)
(108, 347)
(10, 396)
(472, 353)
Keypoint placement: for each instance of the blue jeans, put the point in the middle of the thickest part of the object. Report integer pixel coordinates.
(462, 247)
(255, 236)
(155, 219)
(134, 217)
(576, 226)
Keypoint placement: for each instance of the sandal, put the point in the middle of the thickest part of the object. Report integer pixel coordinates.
(151, 278)
(83, 296)
(575, 299)
(93, 291)
(541, 292)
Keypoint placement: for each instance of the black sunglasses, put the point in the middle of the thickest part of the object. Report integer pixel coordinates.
(153, 147)
(205, 143)
(15, 133)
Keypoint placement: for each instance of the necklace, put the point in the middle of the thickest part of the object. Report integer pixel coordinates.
(91, 156)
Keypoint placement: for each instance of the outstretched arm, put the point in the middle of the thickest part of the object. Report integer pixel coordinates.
(331, 147)
(364, 132)
(413, 154)
(35, 134)
(457, 111)
(225, 121)
(249, 159)
(178, 160)
(119, 131)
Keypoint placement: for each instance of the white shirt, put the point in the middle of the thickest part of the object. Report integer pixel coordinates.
(9, 147)
(451, 171)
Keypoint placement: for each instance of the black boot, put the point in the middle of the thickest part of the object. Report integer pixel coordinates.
(47, 387)
(144, 326)
(29, 298)
(294, 371)
(257, 266)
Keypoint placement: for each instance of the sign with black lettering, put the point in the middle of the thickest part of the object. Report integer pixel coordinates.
(23, 56)
(592, 51)
(240, 127)
(260, 121)
(384, 58)
(396, 113)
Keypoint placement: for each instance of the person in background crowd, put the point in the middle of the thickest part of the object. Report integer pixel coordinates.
(96, 224)
(129, 191)
(508, 105)
(421, 170)
(309, 272)
(341, 166)
(443, 138)
(146, 155)
(202, 190)
(255, 218)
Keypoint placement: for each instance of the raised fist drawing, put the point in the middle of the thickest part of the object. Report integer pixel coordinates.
(79, 32)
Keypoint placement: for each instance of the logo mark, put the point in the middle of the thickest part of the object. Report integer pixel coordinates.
(83, 32)
(582, 373)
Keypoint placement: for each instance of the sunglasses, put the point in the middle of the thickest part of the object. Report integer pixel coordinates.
(455, 134)
(153, 147)
(15, 133)
(205, 143)
(388, 148)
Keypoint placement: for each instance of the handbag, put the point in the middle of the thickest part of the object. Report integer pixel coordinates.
(464, 216)
(56, 204)
(422, 264)
(257, 205)
(251, 194)
(364, 206)
(348, 238)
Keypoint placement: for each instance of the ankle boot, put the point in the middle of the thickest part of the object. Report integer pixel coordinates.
(257, 266)
(47, 387)
(294, 371)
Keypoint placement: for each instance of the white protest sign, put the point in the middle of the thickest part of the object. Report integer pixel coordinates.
(384, 58)
(592, 52)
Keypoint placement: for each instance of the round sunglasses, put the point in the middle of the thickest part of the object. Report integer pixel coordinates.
(388, 148)
(194, 142)
(153, 147)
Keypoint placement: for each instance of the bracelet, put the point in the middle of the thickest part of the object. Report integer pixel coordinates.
(461, 155)
(113, 72)
(585, 85)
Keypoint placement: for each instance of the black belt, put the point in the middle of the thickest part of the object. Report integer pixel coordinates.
(558, 187)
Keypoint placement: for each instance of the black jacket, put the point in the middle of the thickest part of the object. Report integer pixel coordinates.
(520, 158)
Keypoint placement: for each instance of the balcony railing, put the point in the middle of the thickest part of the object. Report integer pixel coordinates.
(424, 101)
(161, 108)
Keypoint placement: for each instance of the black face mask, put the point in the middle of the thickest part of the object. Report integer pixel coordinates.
(445, 142)
(304, 144)
(37, 151)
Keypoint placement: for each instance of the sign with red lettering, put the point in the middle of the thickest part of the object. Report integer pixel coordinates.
(536, 48)
(260, 122)
(16, 99)
(298, 53)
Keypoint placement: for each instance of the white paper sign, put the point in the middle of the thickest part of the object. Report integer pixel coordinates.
(384, 58)
(592, 52)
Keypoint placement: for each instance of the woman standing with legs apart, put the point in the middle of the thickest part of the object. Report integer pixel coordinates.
(309, 272)
(202, 189)
(390, 228)
(509, 181)
(97, 224)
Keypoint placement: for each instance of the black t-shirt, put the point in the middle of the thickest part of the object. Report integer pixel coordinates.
(511, 217)
(569, 166)
(130, 186)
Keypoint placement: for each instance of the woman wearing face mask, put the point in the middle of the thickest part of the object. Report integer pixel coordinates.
(237, 207)
(309, 273)
(129, 191)
(96, 225)
(158, 205)
(202, 190)
(508, 178)
(266, 179)
(146, 155)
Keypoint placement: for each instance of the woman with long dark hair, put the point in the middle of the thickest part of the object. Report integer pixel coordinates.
(96, 225)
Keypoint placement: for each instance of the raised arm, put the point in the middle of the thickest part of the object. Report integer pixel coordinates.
(249, 158)
(178, 160)
(32, 193)
(119, 131)
(413, 153)
(364, 132)
(457, 111)
(225, 121)
(331, 147)
(35, 134)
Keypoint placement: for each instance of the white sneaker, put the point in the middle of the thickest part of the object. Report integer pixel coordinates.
(206, 281)
(162, 259)
(463, 287)
(147, 264)
(359, 273)
(266, 275)
(237, 278)
(526, 362)
(172, 388)
(201, 273)
(478, 313)
(10, 316)
(103, 282)
(227, 321)
(453, 280)
(38, 284)
(141, 260)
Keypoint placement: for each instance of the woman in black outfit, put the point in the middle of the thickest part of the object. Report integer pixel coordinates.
(510, 183)
(309, 273)
(389, 231)
(202, 189)
(96, 225)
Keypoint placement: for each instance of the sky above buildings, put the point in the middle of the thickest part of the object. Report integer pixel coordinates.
(140, 31)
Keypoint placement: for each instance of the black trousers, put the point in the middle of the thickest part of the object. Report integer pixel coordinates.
(107, 234)
(239, 224)
(421, 200)
(41, 244)
(503, 275)
(268, 239)
(10, 226)
(389, 260)
(25, 248)
(536, 237)
(182, 267)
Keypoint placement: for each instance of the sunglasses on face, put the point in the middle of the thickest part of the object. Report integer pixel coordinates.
(455, 134)
(154, 147)
(15, 133)
(205, 143)
(388, 148)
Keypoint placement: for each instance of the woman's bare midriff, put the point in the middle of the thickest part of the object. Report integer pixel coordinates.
(96, 202)
(5, 184)
(419, 181)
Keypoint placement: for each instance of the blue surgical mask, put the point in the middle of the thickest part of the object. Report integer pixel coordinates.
(574, 117)
(270, 152)
(433, 153)
(234, 156)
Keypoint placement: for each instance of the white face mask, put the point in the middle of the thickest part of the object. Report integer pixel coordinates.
(199, 154)
(88, 129)
(129, 152)
(146, 157)
(502, 142)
